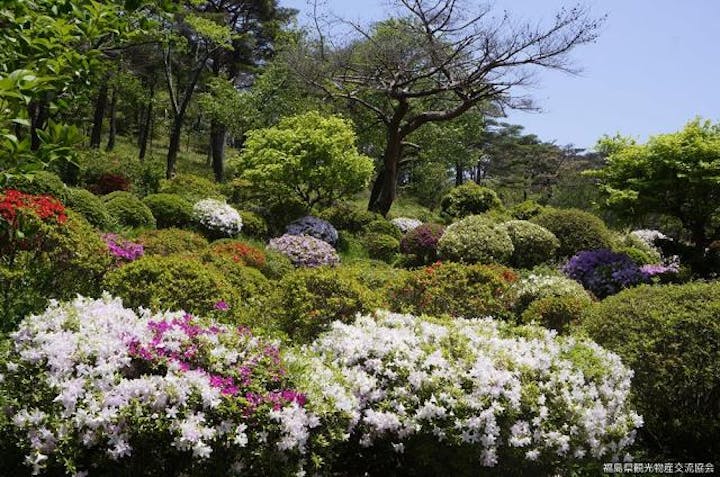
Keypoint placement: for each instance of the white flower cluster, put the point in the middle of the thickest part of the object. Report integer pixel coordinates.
(649, 236)
(217, 217)
(406, 224)
(89, 391)
(535, 287)
(462, 381)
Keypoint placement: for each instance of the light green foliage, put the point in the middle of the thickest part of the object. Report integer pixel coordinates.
(469, 199)
(91, 207)
(526, 210)
(310, 157)
(128, 210)
(170, 241)
(307, 301)
(253, 225)
(276, 266)
(475, 239)
(169, 210)
(381, 246)
(577, 230)
(676, 174)
(669, 335)
(177, 282)
(382, 226)
(539, 286)
(191, 188)
(532, 244)
(641, 252)
(556, 312)
(470, 291)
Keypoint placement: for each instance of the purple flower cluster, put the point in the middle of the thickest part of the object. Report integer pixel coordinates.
(305, 251)
(422, 242)
(604, 272)
(660, 269)
(315, 227)
(123, 250)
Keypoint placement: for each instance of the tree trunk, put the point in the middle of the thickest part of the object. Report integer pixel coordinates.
(174, 146)
(99, 116)
(38, 113)
(218, 134)
(113, 122)
(146, 128)
(393, 152)
(459, 174)
(376, 188)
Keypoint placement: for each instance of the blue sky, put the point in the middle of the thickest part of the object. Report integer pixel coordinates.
(654, 67)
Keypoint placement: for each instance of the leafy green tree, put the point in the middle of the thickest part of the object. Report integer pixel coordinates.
(310, 157)
(676, 174)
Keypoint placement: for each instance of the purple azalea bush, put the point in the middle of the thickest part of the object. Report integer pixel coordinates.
(422, 241)
(604, 272)
(315, 227)
(123, 250)
(305, 251)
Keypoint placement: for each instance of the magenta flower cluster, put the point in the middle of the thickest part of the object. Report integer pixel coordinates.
(123, 250)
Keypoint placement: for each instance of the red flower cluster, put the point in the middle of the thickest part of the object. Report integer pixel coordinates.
(242, 253)
(43, 206)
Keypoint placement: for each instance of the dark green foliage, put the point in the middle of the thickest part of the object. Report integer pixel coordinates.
(381, 247)
(469, 199)
(169, 241)
(169, 210)
(348, 217)
(670, 336)
(384, 227)
(469, 291)
(129, 210)
(91, 207)
(577, 230)
(556, 312)
(306, 301)
(532, 243)
(40, 183)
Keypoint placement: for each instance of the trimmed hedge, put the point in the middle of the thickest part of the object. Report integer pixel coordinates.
(170, 210)
(469, 199)
(476, 239)
(91, 207)
(532, 244)
(128, 210)
(576, 230)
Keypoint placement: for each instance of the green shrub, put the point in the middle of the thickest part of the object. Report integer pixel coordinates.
(469, 291)
(532, 244)
(537, 287)
(129, 210)
(556, 312)
(40, 183)
(639, 256)
(91, 207)
(476, 239)
(348, 217)
(169, 210)
(670, 336)
(469, 199)
(253, 225)
(276, 265)
(381, 247)
(191, 188)
(250, 285)
(351, 245)
(170, 241)
(306, 301)
(575, 229)
(374, 274)
(178, 282)
(526, 210)
(639, 251)
(384, 227)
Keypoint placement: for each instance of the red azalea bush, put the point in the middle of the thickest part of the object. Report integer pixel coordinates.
(21, 216)
(241, 253)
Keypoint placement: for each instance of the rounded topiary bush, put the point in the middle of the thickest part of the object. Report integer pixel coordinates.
(604, 272)
(556, 312)
(191, 187)
(422, 242)
(169, 241)
(254, 225)
(670, 336)
(314, 227)
(532, 244)
(91, 207)
(305, 251)
(381, 247)
(40, 183)
(383, 227)
(536, 287)
(469, 199)
(128, 210)
(170, 210)
(217, 219)
(575, 229)
(306, 302)
(476, 239)
(348, 217)
(174, 282)
(470, 291)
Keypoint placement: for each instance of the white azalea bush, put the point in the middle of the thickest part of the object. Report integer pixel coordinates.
(217, 218)
(536, 287)
(406, 224)
(91, 386)
(462, 395)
